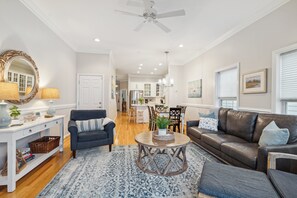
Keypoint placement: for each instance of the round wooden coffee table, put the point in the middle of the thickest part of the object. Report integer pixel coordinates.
(162, 157)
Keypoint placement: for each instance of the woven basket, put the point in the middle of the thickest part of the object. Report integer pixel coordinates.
(45, 144)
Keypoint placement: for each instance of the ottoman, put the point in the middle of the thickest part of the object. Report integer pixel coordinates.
(220, 180)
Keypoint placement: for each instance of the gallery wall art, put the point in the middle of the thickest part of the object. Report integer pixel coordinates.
(195, 89)
(255, 82)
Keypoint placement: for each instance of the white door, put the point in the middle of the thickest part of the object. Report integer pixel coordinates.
(90, 92)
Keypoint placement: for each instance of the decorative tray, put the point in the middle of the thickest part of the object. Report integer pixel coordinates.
(168, 136)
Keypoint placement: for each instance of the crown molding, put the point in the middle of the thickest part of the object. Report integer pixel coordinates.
(43, 18)
(232, 32)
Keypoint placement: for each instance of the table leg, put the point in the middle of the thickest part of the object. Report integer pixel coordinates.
(11, 165)
(62, 136)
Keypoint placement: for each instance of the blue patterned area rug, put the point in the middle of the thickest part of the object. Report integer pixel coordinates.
(99, 173)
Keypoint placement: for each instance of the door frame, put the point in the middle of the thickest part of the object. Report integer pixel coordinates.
(77, 87)
(121, 100)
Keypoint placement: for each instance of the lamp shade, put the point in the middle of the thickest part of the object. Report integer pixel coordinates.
(9, 91)
(50, 93)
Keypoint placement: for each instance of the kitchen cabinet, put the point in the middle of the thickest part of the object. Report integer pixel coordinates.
(136, 86)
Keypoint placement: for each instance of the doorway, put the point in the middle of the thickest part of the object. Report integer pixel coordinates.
(123, 100)
(90, 91)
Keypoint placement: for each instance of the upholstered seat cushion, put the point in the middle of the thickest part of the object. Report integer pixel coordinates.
(197, 132)
(91, 135)
(219, 180)
(244, 152)
(216, 139)
(284, 183)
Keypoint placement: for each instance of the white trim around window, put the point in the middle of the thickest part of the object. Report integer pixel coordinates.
(277, 104)
(217, 99)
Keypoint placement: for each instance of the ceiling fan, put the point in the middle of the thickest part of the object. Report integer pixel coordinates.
(151, 15)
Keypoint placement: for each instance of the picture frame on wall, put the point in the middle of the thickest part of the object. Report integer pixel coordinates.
(195, 89)
(255, 82)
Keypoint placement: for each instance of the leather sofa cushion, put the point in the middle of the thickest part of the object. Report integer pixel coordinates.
(222, 116)
(197, 132)
(241, 124)
(282, 121)
(283, 182)
(91, 136)
(216, 139)
(220, 180)
(244, 152)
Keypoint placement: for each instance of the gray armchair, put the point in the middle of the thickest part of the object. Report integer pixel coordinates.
(89, 139)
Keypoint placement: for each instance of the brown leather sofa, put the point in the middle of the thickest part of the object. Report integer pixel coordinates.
(236, 142)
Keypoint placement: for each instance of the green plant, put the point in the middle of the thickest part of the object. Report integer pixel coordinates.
(162, 122)
(14, 111)
(141, 100)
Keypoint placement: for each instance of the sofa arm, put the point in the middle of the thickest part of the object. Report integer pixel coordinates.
(264, 150)
(192, 123)
(109, 129)
(72, 128)
(273, 156)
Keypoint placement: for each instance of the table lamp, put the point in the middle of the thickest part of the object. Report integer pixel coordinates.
(50, 94)
(8, 91)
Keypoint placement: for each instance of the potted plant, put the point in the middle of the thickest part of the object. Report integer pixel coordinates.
(14, 112)
(141, 100)
(162, 124)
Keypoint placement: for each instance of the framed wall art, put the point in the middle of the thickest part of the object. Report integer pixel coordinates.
(195, 89)
(255, 82)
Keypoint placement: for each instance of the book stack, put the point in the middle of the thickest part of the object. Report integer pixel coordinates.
(27, 155)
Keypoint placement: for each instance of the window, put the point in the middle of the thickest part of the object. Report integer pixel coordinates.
(227, 87)
(288, 82)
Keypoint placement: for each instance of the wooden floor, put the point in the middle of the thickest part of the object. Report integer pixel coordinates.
(36, 180)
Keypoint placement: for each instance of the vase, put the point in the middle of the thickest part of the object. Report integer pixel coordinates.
(162, 131)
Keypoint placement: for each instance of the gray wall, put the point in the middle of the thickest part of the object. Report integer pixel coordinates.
(252, 48)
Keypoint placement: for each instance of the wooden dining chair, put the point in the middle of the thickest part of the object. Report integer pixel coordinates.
(183, 108)
(174, 117)
(152, 118)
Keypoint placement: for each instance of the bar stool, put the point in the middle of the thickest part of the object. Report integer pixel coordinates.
(140, 116)
(132, 114)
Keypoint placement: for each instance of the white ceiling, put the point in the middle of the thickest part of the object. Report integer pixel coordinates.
(206, 23)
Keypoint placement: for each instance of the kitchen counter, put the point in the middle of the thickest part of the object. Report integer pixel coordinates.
(139, 108)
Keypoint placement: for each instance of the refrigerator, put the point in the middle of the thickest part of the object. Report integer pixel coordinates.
(134, 96)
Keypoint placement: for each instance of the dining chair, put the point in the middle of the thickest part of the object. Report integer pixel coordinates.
(152, 118)
(174, 117)
(183, 108)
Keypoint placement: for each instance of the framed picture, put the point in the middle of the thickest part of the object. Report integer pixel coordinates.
(195, 89)
(255, 82)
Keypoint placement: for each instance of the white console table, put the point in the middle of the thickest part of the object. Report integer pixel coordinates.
(12, 134)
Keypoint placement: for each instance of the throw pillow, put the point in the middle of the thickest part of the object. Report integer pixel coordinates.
(273, 135)
(90, 125)
(209, 115)
(208, 123)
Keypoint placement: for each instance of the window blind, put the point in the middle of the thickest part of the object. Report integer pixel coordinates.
(228, 84)
(288, 76)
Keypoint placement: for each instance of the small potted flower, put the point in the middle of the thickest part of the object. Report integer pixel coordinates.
(162, 124)
(141, 100)
(14, 112)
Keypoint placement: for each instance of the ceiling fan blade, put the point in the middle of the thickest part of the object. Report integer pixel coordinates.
(148, 4)
(163, 27)
(128, 13)
(135, 3)
(139, 26)
(172, 14)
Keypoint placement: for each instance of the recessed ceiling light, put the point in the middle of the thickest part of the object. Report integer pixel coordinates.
(152, 72)
(138, 72)
(181, 45)
(97, 40)
(139, 68)
(160, 64)
(155, 69)
(140, 64)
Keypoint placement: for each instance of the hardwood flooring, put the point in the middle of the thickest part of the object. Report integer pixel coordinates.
(31, 184)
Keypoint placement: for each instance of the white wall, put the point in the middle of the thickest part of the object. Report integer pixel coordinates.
(99, 64)
(21, 30)
(252, 48)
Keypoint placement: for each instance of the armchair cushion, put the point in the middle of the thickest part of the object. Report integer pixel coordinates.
(283, 182)
(91, 136)
(90, 125)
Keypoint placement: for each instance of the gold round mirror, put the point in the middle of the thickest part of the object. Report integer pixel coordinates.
(18, 67)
